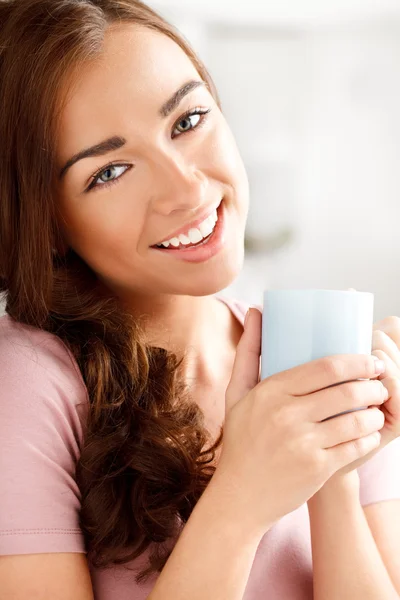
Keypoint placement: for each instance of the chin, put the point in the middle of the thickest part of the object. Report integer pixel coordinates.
(215, 279)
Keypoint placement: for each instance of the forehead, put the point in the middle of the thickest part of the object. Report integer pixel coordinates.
(136, 71)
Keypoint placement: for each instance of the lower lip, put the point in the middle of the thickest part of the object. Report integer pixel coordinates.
(205, 251)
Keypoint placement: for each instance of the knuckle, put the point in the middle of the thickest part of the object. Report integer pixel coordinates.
(359, 424)
(265, 389)
(355, 448)
(261, 390)
(364, 393)
(377, 418)
(379, 335)
(393, 322)
(350, 391)
(305, 446)
(283, 417)
(372, 392)
(369, 365)
(268, 386)
(381, 390)
(334, 367)
(380, 354)
(367, 421)
(381, 419)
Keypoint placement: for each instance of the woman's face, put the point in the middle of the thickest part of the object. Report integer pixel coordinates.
(172, 169)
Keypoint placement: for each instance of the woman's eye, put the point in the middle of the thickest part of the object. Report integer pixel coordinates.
(108, 176)
(109, 173)
(188, 123)
(191, 121)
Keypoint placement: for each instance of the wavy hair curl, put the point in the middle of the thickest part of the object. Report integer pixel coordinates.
(145, 459)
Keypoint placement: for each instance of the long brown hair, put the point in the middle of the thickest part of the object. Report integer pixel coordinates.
(144, 462)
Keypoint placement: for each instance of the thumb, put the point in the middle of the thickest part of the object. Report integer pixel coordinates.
(246, 368)
(351, 290)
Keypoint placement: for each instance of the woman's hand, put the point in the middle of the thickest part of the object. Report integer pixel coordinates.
(386, 346)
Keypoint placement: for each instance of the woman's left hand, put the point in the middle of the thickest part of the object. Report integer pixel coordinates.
(386, 346)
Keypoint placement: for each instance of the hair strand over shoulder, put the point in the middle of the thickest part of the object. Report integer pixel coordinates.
(146, 457)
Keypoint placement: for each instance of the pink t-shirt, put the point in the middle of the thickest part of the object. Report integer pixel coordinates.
(43, 402)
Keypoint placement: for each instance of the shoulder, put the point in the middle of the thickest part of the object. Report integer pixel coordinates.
(28, 353)
(40, 380)
(43, 411)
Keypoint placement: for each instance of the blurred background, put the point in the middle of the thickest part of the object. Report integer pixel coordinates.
(311, 90)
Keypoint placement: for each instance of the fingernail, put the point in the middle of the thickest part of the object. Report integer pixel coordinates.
(380, 366)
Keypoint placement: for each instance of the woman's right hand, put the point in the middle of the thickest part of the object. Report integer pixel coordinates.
(277, 449)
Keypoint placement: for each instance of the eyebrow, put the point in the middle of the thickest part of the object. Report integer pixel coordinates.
(116, 142)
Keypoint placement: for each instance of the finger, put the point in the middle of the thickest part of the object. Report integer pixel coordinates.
(246, 367)
(381, 341)
(350, 454)
(392, 384)
(351, 396)
(324, 372)
(391, 326)
(392, 369)
(391, 408)
(351, 426)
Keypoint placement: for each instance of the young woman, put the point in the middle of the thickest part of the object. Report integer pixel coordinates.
(122, 217)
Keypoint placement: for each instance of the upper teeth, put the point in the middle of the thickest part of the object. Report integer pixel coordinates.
(194, 235)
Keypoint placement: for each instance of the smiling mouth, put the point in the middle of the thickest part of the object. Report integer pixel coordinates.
(194, 244)
(206, 248)
(182, 246)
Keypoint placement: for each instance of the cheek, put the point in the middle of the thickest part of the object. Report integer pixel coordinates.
(108, 224)
(225, 153)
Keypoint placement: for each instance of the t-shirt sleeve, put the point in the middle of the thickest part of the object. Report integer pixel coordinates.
(42, 402)
(380, 475)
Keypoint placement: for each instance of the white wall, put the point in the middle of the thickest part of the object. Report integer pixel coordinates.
(293, 13)
(329, 101)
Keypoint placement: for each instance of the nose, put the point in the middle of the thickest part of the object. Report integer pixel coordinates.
(180, 185)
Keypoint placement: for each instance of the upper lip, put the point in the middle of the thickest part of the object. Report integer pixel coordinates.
(200, 218)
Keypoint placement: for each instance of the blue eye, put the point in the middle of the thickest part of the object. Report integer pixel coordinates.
(108, 172)
(187, 119)
(188, 127)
